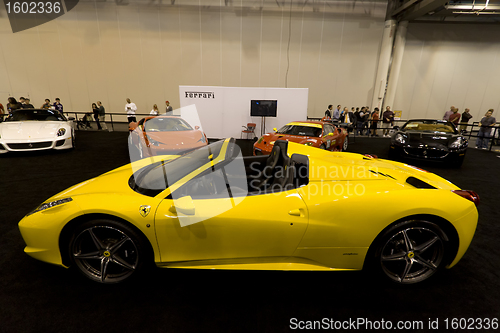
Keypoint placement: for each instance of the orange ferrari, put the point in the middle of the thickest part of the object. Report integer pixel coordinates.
(318, 134)
(165, 135)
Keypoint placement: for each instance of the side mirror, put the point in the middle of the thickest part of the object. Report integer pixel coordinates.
(197, 127)
(71, 118)
(185, 205)
(274, 129)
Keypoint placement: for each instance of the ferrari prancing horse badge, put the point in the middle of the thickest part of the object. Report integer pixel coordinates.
(144, 210)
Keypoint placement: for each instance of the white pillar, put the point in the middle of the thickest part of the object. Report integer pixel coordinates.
(397, 59)
(383, 64)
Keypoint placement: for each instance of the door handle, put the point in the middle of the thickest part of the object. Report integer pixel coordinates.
(296, 212)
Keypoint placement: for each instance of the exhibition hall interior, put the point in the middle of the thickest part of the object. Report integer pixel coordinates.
(249, 165)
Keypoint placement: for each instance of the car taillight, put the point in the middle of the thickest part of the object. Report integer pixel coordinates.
(469, 195)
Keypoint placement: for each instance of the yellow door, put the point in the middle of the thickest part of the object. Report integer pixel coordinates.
(254, 226)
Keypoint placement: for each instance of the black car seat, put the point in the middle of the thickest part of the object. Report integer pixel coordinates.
(267, 174)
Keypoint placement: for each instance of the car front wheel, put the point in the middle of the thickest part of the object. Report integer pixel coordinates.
(107, 251)
(411, 252)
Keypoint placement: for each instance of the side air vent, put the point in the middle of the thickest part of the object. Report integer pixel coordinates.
(415, 182)
(382, 174)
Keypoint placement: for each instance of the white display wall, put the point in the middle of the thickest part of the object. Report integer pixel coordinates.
(223, 111)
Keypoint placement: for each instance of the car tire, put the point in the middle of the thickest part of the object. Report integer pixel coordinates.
(411, 252)
(107, 251)
(457, 163)
(345, 144)
(392, 155)
(322, 147)
(73, 141)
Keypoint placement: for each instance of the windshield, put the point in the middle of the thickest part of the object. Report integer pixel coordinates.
(36, 115)
(154, 178)
(161, 124)
(300, 130)
(433, 126)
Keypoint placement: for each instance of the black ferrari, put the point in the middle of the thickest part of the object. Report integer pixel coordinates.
(429, 139)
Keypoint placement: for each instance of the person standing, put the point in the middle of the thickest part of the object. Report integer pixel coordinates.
(46, 105)
(454, 117)
(344, 115)
(375, 119)
(466, 116)
(58, 106)
(154, 112)
(447, 114)
(130, 108)
(483, 137)
(336, 114)
(27, 104)
(328, 112)
(387, 121)
(13, 105)
(95, 111)
(102, 116)
(168, 108)
(360, 121)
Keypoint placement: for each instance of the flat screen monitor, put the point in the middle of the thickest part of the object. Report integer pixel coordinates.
(263, 108)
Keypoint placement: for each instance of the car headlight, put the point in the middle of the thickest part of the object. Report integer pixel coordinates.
(61, 132)
(271, 143)
(308, 144)
(399, 138)
(153, 141)
(457, 143)
(260, 140)
(51, 204)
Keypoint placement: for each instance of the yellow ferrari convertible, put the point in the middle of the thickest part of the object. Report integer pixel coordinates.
(299, 208)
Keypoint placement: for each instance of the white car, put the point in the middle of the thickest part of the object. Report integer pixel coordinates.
(36, 129)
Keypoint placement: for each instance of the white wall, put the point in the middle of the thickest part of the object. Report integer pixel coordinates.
(449, 64)
(144, 51)
(225, 110)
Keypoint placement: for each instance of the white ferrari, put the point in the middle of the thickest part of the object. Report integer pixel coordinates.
(36, 129)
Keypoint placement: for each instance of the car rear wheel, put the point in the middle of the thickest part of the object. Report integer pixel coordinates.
(106, 251)
(411, 251)
(346, 144)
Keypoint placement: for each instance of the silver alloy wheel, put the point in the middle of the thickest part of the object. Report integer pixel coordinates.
(346, 143)
(412, 255)
(105, 254)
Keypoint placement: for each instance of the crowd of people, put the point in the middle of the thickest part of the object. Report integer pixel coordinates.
(366, 122)
(131, 108)
(98, 111)
(462, 121)
(25, 103)
(362, 120)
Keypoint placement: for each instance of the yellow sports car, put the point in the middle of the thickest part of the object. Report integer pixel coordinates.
(299, 208)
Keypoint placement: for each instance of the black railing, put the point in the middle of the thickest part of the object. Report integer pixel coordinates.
(472, 130)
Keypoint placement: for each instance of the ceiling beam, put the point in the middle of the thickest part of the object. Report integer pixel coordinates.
(420, 9)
